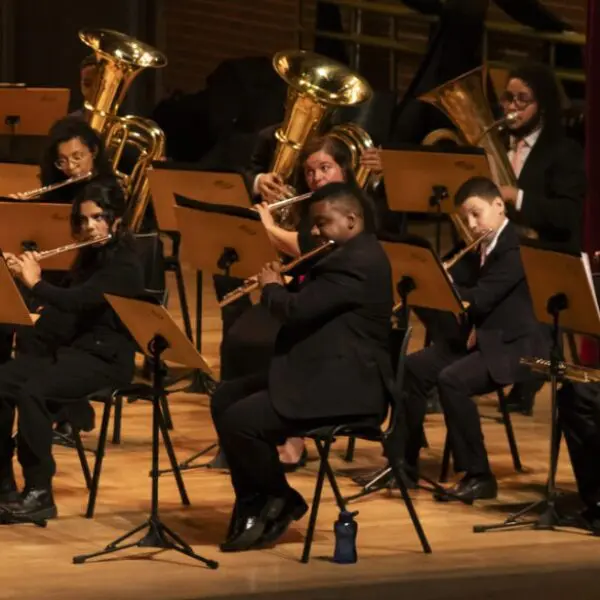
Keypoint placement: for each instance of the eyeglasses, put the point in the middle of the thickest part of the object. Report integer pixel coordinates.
(75, 159)
(519, 100)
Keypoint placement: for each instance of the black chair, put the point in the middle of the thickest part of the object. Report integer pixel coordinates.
(510, 435)
(324, 438)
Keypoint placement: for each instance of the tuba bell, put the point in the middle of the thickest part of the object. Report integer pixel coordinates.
(464, 101)
(316, 85)
(120, 58)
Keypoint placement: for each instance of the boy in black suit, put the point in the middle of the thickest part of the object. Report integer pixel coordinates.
(501, 327)
(331, 365)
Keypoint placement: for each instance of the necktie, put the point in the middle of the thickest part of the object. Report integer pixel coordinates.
(518, 156)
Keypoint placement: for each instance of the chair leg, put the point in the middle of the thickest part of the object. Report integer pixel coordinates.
(85, 467)
(410, 507)
(100, 450)
(166, 411)
(116, 437)
(349, 456)
(445, 462)
(173, 459)
(324, 456)
(510, 434)
(314, 510)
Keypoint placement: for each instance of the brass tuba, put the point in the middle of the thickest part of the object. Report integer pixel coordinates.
(317, 85)
(120, 59)
(464, 101)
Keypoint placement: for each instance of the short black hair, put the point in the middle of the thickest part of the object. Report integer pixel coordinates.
(477, 186)
(349, 196)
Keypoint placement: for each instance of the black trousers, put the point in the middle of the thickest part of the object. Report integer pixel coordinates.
(36, 387)
(579, 417)
(250, 429)
(459, 377)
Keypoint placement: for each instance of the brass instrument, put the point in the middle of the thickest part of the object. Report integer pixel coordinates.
(448, 264)
(120, 58)
(464, 101)
(32, 194)
(566, 370)
(74, 246)
(317, 84)
(252, 283)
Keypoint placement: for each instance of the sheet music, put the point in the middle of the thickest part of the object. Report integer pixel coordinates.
(585, 259)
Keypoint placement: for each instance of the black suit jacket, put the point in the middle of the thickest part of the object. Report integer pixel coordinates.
(500, 307)
(332, 353)
(554, 184)
(79, 315)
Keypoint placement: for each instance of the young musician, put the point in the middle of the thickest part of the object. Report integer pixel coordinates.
(331, 365)
(579, 418)
(77, 346)
(501, 328)
(550, 171)
(88, 79)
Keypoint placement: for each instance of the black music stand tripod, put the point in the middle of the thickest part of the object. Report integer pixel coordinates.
(425, 284)
(140, 317)
(563, 297)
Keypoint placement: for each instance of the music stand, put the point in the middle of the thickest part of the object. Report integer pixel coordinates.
(29, 111)
(424, 179)
(36, 226)
(562, 291)
(422, 282)
(160, 338)
(233, 241)
(18, 178)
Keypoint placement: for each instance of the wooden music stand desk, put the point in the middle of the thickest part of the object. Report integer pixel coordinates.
(46, 226)
(18, 178)
(425, 179)
(167, 180)
(13, 310)
(31, 111)
(423, 281)
(220, 238)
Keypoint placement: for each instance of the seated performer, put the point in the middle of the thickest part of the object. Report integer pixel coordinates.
(331, 365)
(77, 346)
(501, 328)
(579, 418)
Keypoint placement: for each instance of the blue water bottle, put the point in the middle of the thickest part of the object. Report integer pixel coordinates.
(345, 529)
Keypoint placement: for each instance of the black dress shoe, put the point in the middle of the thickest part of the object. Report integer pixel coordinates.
(294, 509)
(8, 490)
(590, 518)
(36, 504)
(470, 488)
(250, 525)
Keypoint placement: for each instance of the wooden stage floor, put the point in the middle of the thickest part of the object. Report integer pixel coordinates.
(36, 563)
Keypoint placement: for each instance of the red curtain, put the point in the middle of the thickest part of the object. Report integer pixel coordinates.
(589, 348)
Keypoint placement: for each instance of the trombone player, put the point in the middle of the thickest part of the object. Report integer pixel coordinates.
(550, 170)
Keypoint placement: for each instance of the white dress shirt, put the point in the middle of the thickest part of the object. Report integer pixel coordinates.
(530, 141)
(486, 249)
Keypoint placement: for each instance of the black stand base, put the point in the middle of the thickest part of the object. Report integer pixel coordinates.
(157, 536)
(218, 462)
(549, 519)
(382, 480)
